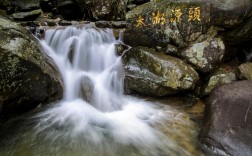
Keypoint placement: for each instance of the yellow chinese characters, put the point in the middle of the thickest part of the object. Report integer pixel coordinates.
(158, 18)
(140, 21)
(176, 15)
(194, 14)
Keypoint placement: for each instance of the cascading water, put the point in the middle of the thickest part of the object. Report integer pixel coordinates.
(94, 118)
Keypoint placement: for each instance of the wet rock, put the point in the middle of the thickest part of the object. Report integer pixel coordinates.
(102, 24)
(111, 24)
(227, 122)
(244, 71)
(121, 48)
(104, 9)
(167, 21)
(118, 24)
(223, 75)
(65, 23)
(87, 89)
(27, 76)
(181, 101)
(117, 33)
(205, 55)
(156, 74)
(31, 15)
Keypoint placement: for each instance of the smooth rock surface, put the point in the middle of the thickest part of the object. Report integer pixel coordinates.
(227, 128)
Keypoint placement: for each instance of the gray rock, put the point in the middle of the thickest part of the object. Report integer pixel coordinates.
(244, 71)
(205, 55)
(223, 75)
(31, 15)
(156, 74)
(118, 24)
(217, 80)
(172, 50)
(228, 120)
(102, 24)
(27, 76)
(65, 23)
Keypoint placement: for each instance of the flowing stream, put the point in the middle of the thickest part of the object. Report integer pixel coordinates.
(95, 118)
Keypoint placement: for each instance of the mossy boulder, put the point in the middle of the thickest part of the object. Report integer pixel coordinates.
(180, 22)
(27, 76)
(156, 74)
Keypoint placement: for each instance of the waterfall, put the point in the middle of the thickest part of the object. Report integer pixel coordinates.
(88, 63)
(94, 118)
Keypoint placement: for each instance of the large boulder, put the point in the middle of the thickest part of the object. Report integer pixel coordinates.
(104, 9)
(27, 76)
(227, 128)
(181, 21)
(156, 74)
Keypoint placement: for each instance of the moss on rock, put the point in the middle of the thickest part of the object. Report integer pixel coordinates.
(152, 73)
(27, 76)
